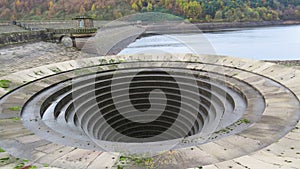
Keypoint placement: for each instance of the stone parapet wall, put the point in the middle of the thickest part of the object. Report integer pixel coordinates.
(23, 37)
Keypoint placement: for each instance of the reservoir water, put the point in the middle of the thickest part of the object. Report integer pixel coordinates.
(267, 43)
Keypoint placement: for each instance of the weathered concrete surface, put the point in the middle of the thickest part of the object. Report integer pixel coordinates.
(13, 38)
(270, 142)
(28, 56)
(116, 39)
(9, 28)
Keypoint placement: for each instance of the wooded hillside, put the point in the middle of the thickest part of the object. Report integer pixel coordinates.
(194, 10)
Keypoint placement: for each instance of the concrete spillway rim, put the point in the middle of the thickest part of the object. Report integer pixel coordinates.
(290, 83)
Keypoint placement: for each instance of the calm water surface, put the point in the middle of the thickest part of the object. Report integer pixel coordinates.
(268, 43)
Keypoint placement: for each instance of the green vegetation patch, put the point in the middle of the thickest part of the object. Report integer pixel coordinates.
(55, 69)
(140, 161)
(246, 121)
(122, 158)
(235, 74)
(102, 61)
(225, 130)
(2, 150)
(39, 73)
(16, 118)
(22, 165)
(112, 61)
(25, 161)
(4, 83)
(4, 159)
(19, 166)
(15, 108)
(46, 165)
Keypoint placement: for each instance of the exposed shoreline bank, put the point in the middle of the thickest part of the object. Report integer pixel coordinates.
(223, 26)
(286, 62)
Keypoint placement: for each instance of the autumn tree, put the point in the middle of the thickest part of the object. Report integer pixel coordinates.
(51, 5)
(13, 17)
(93, 8)
(193, 10)
(196, 10)
(51, 9)
(218, 16)
(134, 6)
(87, 4)
(18, 5)
(149, 7)
(82, 10)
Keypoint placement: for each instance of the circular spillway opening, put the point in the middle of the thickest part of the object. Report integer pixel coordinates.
(129, 108)
(140, 106)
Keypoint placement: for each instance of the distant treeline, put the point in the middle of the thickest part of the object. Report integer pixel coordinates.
(193, 10)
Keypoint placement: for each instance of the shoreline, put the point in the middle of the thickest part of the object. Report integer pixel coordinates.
(213, 27)
(295, 64)
(203, 27)
(19, 57)
(225, 26)
(285, 62)
(210, 26)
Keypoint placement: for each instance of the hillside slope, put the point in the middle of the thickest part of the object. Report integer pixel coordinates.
(194, 10)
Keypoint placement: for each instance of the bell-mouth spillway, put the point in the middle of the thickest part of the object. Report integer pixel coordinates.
(194, 105)
(144, 105)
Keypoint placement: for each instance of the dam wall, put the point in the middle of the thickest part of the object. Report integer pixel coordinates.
(23, 37)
